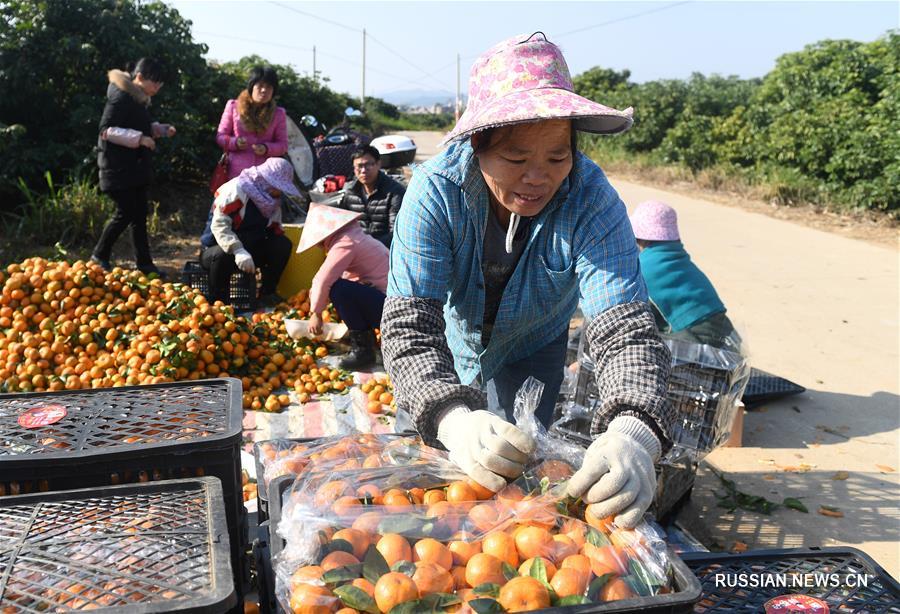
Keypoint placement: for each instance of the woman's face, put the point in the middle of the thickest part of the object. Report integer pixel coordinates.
(523, 166)
(150, 87)
(262, 92)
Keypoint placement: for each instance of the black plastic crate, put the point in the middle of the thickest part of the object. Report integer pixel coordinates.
(764, 567)
(129, 434)
(241, 286)
(159, 547)
(682, 599)
(262, 491)
(763, 387)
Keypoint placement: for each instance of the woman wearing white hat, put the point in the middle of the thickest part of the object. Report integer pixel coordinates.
(244, 231)
(353, 278)
(499, 239)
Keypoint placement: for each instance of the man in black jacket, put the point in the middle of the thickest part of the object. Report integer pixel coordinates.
(373, 194)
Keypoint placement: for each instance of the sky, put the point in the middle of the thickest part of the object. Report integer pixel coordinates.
(413, 45)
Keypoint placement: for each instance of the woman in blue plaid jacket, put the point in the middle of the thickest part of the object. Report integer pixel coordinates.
(499, 239)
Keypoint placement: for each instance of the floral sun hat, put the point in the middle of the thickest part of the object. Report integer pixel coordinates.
(273, 173)
(526, 79)
(322, 221)
(655, 221)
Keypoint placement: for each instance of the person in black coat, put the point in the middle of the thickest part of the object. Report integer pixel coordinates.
(374, 194)
(126, 144)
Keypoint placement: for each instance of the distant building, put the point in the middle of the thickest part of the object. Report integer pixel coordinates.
(434, 109)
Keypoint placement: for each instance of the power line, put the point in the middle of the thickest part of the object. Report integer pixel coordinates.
(620, 19)
(319, 51)
(402, 57)
(314, 16)
(251, 40)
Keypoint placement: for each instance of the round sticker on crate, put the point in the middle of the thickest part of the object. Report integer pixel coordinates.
(42, 415)
(796, 603)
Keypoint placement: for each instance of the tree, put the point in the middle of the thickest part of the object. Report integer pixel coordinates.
(54, 56)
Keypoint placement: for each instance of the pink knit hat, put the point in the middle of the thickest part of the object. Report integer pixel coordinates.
(322, 221)
(655, 221)
(526, 79)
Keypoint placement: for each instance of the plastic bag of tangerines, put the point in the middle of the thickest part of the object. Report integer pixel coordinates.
(410, 533)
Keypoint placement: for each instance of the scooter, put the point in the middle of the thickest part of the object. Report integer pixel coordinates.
(334, 148)
(397, 151)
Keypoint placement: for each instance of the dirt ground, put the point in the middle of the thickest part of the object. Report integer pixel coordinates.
(875, 228)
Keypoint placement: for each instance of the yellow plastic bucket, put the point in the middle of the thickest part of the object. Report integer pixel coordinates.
(301, 268)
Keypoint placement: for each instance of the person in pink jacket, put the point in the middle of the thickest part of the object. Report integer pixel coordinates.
(253, 128)
(353, 278)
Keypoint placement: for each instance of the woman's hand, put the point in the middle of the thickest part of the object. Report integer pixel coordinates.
(617, 475)
(315, 324)
(171, 131)
(484, 446)
(148, 142)
(241, 143)
(260, 149)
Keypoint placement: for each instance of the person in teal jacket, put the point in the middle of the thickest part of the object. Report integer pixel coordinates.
(683, 299)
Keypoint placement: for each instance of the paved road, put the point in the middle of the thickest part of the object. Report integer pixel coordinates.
(821, 310)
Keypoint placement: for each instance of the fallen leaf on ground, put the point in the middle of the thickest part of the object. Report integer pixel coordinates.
(795, 504)
(766, 461)
(768, 476)
(734, 498)
(831, 512)
(739, 546)
(885, 468)
(840, 475)
(801, 468)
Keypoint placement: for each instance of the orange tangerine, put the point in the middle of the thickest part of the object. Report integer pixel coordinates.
(524, 594)
(430, 550)
(463, 551)
(394, 548)
(336, 559)
(483, 568)
(502, 546)
(431, 578)
(577, 561)
(534, 541)
(394, 588)
(357, 539)
(569, 581)
(312, 599)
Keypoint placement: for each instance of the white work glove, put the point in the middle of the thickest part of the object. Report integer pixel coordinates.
(244, 260)
(617, 474)
(486, 447)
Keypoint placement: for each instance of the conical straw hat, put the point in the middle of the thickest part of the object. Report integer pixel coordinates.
(322, 221)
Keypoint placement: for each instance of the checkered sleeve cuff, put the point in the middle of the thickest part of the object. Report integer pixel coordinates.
(632, 371)
(419, 362)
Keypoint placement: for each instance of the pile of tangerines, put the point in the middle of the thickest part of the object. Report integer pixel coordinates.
(340, 453)
(69, 326)
(394, 540)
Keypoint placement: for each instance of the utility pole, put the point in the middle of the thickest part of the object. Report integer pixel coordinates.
(457, 87)
(315, 77)
(363, 97)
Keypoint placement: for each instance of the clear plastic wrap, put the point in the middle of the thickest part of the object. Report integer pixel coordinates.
(360, 450)
(705, 386)
(424, 537)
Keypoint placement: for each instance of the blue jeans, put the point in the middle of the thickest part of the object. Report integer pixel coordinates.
(359, 305)
(545, 365)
